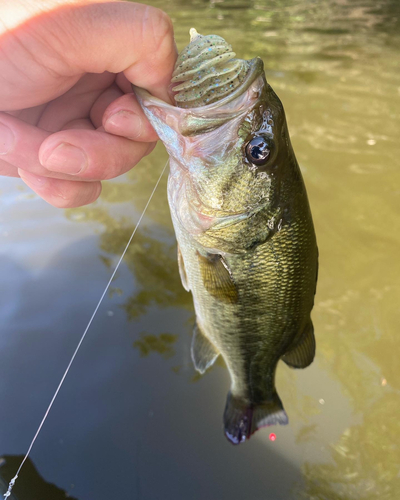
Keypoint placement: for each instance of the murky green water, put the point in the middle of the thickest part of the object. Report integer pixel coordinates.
(133, 419)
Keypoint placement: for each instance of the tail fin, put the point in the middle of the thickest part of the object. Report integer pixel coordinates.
(242, 419)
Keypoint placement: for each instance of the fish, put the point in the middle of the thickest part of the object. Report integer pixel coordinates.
(247, 248)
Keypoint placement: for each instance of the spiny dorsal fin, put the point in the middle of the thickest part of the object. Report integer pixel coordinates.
(182, 271)
(217, 278)
(302, 354)
(204, 353)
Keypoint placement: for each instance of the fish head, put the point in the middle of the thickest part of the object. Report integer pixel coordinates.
(228, 160)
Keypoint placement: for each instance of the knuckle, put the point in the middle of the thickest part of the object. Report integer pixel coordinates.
(161, 22)
(112, 171)
(63, 194)
(91, 195)
(82, 195)
(59, 201)
(160, 32)
(97, 191)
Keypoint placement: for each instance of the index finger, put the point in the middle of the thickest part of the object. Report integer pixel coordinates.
(127, 37)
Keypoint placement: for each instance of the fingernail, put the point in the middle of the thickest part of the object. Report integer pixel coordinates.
(33, 180)
(124, 123)
(67, 159)
(6, 139)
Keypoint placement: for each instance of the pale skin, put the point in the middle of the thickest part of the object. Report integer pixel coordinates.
(68, 117)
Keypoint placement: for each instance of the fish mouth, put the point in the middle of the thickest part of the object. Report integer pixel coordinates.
(256, 68)
(185, 122)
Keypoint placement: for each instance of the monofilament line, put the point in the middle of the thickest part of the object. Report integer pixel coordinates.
(13, 480)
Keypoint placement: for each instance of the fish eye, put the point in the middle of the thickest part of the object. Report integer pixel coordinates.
(258, 150)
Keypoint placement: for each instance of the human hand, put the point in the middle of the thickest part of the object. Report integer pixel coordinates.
(69, 118)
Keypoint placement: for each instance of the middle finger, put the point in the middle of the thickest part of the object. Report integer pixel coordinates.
(68, 154)
(91, 154)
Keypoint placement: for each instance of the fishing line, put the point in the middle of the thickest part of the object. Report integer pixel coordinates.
(13, 480)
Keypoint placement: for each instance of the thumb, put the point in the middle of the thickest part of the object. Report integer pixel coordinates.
(54, 45)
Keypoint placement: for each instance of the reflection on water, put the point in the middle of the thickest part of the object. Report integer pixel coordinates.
(31, 485)
(152, 261)
(162, 344)
(335, 66)
(350, 474)
(151, 257)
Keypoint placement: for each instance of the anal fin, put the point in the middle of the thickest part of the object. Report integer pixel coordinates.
(204, 353)
(303, 352)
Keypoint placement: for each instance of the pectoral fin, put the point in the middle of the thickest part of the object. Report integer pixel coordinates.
(182, 271)
(217, 278)
(204, 353)
(302, 354)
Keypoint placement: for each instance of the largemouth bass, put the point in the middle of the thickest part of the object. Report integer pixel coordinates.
(246, 244)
